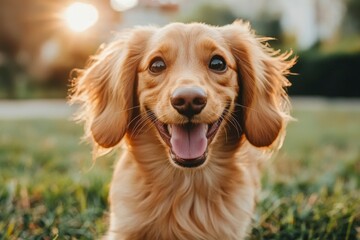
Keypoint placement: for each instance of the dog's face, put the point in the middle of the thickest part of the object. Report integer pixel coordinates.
(188, 82)
(187, 85)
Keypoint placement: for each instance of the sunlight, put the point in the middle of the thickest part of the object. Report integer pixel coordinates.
(123, 5)
(80, 16)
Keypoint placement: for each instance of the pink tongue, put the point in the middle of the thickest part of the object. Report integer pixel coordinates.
(189, 142)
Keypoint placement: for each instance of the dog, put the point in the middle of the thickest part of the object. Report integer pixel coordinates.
(198, 109)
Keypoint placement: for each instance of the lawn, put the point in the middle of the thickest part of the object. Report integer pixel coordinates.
(51, 189)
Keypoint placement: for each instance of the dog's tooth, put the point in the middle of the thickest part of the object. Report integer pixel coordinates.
(169, 128)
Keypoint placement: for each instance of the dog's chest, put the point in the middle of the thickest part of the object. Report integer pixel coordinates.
(186, 211)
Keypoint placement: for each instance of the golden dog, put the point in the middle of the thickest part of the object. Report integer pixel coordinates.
(199, 108)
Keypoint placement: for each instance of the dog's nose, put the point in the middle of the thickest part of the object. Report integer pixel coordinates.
(189, 101)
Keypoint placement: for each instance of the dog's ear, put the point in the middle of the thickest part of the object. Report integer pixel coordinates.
(261, 71)
(105, 89)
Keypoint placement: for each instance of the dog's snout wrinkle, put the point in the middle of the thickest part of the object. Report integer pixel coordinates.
(189, 101)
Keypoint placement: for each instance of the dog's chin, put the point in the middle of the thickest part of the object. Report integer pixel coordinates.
(188, 163)
(188, 143)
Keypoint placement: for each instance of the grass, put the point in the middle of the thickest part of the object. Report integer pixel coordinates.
(49, 188)
(311, 188)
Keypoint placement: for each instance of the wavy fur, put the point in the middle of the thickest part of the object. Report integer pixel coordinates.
(150, 197)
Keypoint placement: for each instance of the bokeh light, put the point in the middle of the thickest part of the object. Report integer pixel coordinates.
(80, 16)
(123, 5)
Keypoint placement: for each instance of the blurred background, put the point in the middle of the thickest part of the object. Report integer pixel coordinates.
(42, 41)
(51, 189)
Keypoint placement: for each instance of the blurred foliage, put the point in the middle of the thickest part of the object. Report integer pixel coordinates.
(353, 15)
(211, 14)
(50, 188)
(330, 75)
(17, 83)
(219, 15)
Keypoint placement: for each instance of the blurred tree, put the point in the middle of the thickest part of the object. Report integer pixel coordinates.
(269, 27)
(6, 73)
(210, 14)
(218, 15)
(329, 75)
(353, 7)
(35, 42)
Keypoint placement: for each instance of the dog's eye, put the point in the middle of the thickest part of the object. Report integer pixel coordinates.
(157, 65)
(218, 64)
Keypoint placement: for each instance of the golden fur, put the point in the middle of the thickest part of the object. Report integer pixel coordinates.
(150, 196)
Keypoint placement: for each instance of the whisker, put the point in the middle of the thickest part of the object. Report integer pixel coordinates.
(134, 119)
(127, 109)
(239, 105)
(144, 123)
(229, 117)
(226, 134)
(227, 126)
(235, 123)
(222, 117)
(143, 117)
(246, 107)
(139, 119)
(142, 120)
(152, 119)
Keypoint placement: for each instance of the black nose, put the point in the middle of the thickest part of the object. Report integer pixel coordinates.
(189, 101)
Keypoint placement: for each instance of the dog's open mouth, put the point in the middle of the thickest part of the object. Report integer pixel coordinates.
(188, 142)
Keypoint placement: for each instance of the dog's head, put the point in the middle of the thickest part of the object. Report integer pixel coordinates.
(187, 81)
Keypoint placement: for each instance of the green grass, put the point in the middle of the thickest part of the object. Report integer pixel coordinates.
(51, 189)
(311, 188)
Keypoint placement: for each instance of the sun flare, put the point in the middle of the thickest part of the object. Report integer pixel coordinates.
(123, 5)
(80, 16)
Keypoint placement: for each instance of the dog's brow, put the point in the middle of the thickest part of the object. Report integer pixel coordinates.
(163, 49)
(209, 44)
(160, 50)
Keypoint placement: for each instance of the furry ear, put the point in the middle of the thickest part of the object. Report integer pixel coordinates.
(261, 70)
(105, 89)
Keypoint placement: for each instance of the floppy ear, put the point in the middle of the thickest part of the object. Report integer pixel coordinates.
(263, 100)
(105, 89)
